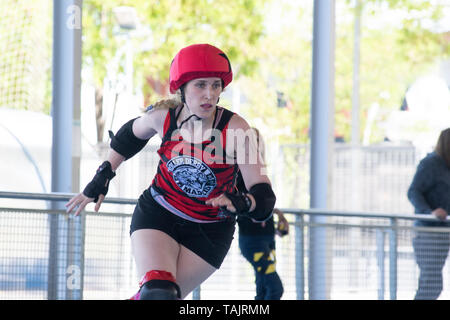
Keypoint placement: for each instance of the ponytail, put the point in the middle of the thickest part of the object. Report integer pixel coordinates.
(172, 102)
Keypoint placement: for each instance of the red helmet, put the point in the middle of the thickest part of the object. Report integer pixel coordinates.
(197, 61)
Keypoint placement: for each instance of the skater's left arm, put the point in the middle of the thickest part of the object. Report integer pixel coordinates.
(259, 202)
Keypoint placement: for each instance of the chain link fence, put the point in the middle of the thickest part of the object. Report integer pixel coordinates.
(366, 258)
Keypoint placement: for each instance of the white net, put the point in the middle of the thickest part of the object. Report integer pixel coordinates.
(25, 54)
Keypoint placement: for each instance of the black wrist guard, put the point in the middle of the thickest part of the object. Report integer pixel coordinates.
(265, 201)
(125, 142)
(100, 183)
(240, 201)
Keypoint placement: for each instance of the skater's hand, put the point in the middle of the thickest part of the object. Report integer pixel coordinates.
(221, 201)
(80, 201)
(282, 225)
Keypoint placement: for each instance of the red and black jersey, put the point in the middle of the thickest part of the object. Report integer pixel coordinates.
(191, 173)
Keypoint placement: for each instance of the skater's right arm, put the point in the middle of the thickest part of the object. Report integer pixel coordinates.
(96, 190)
(129, 140)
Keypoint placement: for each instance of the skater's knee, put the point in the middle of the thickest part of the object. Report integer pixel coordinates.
(159, 285)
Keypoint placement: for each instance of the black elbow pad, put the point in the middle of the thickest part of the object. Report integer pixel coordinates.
(125, 142)
(265, 201)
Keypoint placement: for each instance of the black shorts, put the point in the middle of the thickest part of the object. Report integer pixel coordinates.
(210, 241)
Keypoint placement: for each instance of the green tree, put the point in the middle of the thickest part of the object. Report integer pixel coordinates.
(395, 54)
(285, 67)
(269, 44)
(25, 38)
(392, 56)
(234, 26)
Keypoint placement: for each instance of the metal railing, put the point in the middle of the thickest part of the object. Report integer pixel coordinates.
(368, 255)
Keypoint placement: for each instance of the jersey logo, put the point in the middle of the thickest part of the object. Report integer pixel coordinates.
(193, 176)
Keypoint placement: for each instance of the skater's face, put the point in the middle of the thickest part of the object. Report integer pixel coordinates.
(202, 95)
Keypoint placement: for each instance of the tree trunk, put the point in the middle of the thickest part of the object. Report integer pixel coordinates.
(99, 114)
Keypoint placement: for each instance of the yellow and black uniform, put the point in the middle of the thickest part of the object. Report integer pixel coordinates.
(257, 244)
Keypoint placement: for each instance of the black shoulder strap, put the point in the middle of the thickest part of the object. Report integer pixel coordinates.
(224, 118)
(172, 124)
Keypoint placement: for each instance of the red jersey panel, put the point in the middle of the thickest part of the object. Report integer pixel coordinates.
(189, 174)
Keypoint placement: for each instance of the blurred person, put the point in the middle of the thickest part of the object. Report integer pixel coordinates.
(429, 193)
(183, 224)
(257, 244)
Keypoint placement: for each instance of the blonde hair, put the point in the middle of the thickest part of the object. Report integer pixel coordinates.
(172, 102)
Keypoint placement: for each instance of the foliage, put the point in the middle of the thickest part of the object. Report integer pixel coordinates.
(269, 43)
(234, 26)
(25, 38)
(285, 67)
(392, 56)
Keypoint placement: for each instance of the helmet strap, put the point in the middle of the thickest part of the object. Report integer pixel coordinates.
(188, 118)
(183, 98)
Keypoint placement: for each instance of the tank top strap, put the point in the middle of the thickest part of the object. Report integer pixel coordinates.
(170, 123)
(224, 118)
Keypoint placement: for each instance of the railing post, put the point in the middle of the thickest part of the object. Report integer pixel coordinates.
(66, 136)
(75, 257)
(299, 256)
(380, 263)
(322, 107)
(56, 229)
(393, 259)
(196, 293)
